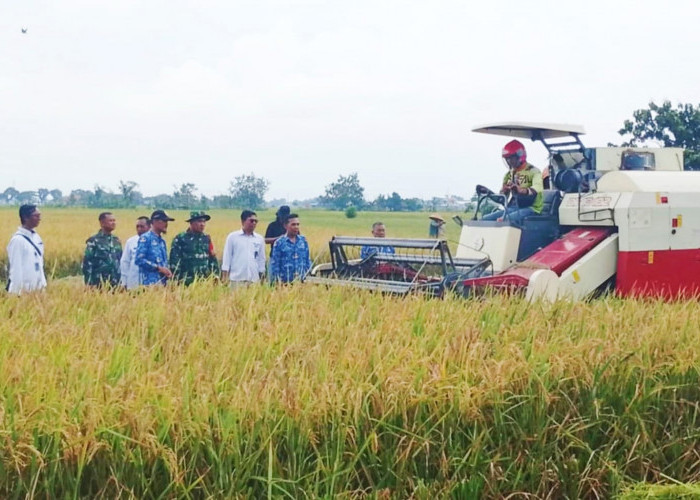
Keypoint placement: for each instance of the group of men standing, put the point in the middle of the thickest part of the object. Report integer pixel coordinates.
(144, 260)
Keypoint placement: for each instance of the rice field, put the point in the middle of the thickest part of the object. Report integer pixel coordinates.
(64, 231)
(308, 392)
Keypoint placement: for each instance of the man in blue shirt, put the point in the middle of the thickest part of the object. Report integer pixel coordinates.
(152, 252)
(378, 231)
(290, 260)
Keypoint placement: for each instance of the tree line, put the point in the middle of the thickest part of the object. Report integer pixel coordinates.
(245, 191)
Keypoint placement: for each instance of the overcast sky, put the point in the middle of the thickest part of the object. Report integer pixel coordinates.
(167, 92)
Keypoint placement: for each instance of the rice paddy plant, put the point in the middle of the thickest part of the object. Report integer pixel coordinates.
(308, 392)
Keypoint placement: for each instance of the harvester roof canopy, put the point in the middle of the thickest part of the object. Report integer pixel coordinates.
(532, 131)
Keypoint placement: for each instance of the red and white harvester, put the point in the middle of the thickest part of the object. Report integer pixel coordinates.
(626, 219)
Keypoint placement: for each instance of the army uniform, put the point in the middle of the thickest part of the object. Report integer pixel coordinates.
(192, 254)
(101, 261)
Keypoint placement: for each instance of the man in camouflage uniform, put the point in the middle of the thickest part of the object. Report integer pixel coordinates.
(102, 254)
(192, 252)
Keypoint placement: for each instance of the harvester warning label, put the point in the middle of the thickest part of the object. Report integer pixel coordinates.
(650, 258)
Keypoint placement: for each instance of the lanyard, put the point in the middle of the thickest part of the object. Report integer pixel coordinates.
(32, 244)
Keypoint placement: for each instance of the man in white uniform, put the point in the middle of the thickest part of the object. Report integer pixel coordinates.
(25, 253)
(244, 253)
(128, 267)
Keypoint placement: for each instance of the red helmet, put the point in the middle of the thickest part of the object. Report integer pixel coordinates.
(515, 148)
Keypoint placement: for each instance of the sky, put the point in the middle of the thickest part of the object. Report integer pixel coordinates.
(168, 92)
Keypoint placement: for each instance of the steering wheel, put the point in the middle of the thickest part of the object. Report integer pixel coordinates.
(483, 190)
(486, 193)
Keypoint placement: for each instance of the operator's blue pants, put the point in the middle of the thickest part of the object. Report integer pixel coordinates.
(515, 214)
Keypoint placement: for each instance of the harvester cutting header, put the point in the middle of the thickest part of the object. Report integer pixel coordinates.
(621, 218)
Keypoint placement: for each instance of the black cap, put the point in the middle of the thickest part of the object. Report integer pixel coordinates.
(283, 210)
(160, 215)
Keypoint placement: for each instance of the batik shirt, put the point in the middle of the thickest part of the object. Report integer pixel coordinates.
(368, 250)
(289, 260)
(101, 260)
(151, 253)
(192, 255)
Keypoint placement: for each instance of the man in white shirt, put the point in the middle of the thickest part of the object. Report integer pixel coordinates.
(244, 253)
(25, 254)
(127, 265)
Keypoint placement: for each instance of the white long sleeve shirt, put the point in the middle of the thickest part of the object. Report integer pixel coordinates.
(127, 266)
(244, 256)
(26, 262)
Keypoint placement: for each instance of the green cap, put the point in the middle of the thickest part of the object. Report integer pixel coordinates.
(198, 214)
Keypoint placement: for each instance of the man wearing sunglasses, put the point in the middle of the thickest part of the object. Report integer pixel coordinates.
(243, 260)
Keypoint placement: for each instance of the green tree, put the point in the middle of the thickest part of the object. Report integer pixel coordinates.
(56, 196)
(97, 199)
(43, 194)
(26, 197)
(395, 202)
(248, 191)
(346, 191)
(672, 127)
(128, 192)
(184, 197)
(10, 195)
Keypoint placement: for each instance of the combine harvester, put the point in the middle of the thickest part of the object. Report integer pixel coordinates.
(626, 219)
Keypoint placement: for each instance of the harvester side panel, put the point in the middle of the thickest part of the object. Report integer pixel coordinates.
(555, 257)
(660, 242)
(669, 274)
(564, 252)
(591, 271)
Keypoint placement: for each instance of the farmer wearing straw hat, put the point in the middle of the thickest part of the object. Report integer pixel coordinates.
(437, 226)
(192, 253)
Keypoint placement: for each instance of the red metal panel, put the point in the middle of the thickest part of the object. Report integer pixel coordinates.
(669, 274)
(562, 253)
(557, 256)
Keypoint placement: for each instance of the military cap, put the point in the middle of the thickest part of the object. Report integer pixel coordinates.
(160, 215)
(198, 214)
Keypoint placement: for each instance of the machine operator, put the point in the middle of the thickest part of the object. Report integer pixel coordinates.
(522, 186)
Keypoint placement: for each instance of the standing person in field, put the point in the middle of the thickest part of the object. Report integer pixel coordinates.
(378, 231)
(522, 182)
(243, 261)
(192, 252)
(437, 226)
(129, 269)
(25, 254)
(276, 228)
(103, 252)
(152, 252)
(290, 259)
